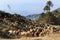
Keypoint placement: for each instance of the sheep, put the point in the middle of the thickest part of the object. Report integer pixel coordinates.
(37, 30)
(23, 33)
(27, 34)
(18, 32)
(50, 29)
(31, 30)
(36, 34)
(43, 33)
(34, 29)
(15, 24)
(14, 32)
(10, 32)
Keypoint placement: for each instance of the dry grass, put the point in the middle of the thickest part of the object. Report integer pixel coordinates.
(55, 36)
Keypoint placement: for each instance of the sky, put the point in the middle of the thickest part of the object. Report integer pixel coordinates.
(26, 7)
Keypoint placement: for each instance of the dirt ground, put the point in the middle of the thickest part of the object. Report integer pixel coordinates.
(55, 36)
(47, 37)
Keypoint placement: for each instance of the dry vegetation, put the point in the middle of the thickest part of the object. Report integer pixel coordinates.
(54, 36)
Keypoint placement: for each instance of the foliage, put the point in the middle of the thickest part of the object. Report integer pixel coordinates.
(50, 17)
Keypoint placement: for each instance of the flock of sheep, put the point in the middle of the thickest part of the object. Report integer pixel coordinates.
(15, 26)
(33, 31)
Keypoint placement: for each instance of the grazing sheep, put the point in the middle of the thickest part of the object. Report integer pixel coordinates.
(42, 33)
(31, 30)
(27, 34)
(23, 33)
(50, 29)
(10, 32)
(36, 34)
(18, 32)
(14, 32)
(15, 24)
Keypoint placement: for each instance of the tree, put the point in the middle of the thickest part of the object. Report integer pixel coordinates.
(42, 14)
(41, 18)
(48, 13)
(49, 3)
(47, 7)
(56, 13)
(48, 16)
(59, 18)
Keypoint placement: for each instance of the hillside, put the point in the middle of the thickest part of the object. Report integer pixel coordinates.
(12, 22)
(15, 23)
(33, 16)
(36, 16)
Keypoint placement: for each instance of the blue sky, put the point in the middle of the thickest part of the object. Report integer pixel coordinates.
(26, 7)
